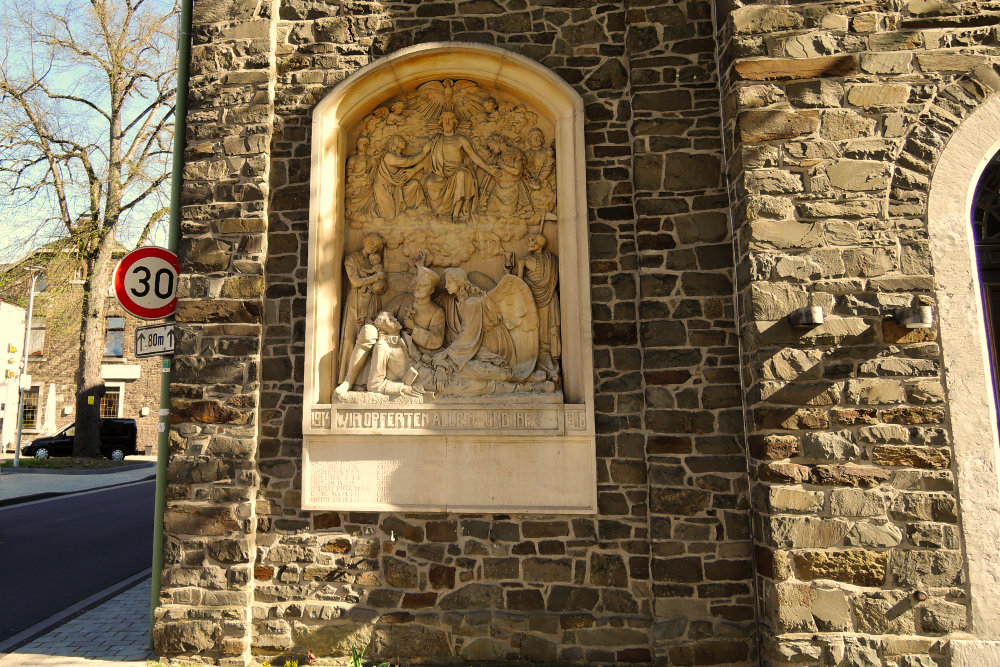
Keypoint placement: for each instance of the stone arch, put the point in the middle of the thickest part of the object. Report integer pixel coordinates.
(959, 126)
(398, 73)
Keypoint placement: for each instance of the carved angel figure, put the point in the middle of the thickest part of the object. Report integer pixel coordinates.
(495, 343)
(359, 180)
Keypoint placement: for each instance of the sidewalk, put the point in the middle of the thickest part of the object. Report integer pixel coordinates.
(113, 633)
(23, 486)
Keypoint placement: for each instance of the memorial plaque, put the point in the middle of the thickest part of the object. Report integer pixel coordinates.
(448, 317)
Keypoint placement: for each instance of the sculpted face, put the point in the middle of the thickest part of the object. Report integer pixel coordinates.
(448, 122)
(536, 242)
(535, 139)
(372, 245)
(422, 290)
(363, 145)
(450, 283)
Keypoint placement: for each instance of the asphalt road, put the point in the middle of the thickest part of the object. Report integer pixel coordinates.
(56, 552)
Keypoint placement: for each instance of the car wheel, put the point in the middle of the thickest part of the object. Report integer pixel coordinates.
(117, 455)
(41, 453)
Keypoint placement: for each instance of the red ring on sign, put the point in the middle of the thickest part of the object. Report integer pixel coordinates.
(122, 294)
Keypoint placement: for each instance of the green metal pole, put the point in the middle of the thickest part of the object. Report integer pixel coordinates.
(173, 238)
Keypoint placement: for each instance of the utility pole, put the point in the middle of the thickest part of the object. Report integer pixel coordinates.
(33, 272)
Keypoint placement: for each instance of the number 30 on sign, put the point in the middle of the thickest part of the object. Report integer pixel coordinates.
(146, 282)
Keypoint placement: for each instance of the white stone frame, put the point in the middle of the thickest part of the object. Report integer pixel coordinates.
(392, 76)
(968, 378)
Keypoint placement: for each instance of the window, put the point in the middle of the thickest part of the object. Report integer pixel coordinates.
(36, 340)
(111, 402)
(114, 338)
(29, 412)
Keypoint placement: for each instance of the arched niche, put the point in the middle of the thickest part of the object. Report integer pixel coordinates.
(561, 434)
(964, 347)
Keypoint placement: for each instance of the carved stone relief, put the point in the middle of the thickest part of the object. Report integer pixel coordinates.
(451, 279)
(449, 364)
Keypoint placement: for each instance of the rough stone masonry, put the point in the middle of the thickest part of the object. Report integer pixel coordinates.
(767, 495)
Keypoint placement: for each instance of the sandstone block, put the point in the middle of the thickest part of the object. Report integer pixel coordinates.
(785, 234)
(773, 181)
(758, 95)
(928, 568)
(791, 607)
(851, 208)
(766, 206)
(942, 617)
(782, 472)
(773, 446)
(754, 19)
(767, 69)
(858, 503)
(931, 506)
(828, 446)
(841, 124)
(878, 94)
(911, 456)
(831, 610)
(874, 535)
(819, 93)
(926, 391)
(757, 125)
(780, 499)
(886, 63)
(858, 175)
(851, 566)
(875, 392)
(848, 475)
(881, 614)
(949, 62)
(805, 532)
(772, 301)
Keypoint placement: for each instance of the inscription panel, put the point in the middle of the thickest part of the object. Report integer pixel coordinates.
(453, 474)
(421, 419)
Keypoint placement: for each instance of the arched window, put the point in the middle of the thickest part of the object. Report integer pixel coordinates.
(986, 236)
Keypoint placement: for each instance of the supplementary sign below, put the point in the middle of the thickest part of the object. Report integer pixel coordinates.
(154, 340)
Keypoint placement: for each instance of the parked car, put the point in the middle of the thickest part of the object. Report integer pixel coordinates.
(117, 441)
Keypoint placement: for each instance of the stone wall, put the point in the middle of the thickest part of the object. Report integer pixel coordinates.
(836, 114)
(663, 571)
(815, 127)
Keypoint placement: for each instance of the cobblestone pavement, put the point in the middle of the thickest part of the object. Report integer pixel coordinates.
(114, 633)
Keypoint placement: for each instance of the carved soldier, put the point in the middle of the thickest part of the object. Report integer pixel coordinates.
(425, 319)
(365, 274)
(540, 271)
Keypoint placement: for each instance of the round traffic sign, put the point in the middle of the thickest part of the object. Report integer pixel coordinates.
(146, 282)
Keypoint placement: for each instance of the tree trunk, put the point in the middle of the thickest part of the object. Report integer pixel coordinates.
(90, 384)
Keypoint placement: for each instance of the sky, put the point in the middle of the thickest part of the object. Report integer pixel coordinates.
(22, 221)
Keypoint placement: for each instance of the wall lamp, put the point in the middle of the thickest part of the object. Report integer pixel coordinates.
(916, 317)
(803, 318)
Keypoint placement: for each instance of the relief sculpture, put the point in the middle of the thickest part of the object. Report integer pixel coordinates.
(451, 265)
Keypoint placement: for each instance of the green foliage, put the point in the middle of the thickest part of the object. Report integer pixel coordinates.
(356, 659)
(66, 463)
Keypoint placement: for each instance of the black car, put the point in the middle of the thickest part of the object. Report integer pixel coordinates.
(117, 441)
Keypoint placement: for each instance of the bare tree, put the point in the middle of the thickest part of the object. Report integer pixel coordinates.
(86, 113)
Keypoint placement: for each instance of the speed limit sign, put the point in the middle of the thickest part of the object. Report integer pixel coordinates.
(146, 282)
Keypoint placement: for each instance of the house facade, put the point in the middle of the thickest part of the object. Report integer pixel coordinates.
(132, 384)
(772, 425)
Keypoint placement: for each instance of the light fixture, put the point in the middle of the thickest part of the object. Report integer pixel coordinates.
(810, 316)
(916, 317)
